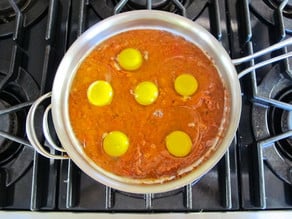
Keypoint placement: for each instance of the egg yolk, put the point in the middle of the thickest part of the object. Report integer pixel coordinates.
(130, 59)
(100, 93)
(178, 143)
(146, 93)
(115, 143)
(186, 85)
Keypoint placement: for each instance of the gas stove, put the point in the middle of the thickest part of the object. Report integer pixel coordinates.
(254, 174)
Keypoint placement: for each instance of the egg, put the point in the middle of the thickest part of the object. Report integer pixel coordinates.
(146, 93)
(186, 85)
(178, 143)
(100, 93)
(130, 59)
(116, 143)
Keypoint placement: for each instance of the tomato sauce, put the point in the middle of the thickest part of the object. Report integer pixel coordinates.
(166, 56)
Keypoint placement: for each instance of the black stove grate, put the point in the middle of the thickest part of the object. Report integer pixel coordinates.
(260, 186)
(29, 73)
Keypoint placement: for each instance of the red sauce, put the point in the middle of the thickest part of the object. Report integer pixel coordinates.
(166, 57)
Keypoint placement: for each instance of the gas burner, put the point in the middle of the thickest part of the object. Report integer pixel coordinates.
(30, 9)
(15, 158)
(9, 124)
(266, 9)
(285, 124)
(165, 5)
(143, 3)
(153, 196)
(193, 8)
(287, 11)
(269, 122)
(182, 190)
(6, 10)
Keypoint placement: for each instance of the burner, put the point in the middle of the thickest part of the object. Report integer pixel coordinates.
(284, 146)
(6, 10)
(154, 196)
(143, 3)
(30, 9)
(166, 5)
(271, 121)
(159, 195)
(266, 9)
(9, 124)
(287, 11)
(193, 8)
(16, 158)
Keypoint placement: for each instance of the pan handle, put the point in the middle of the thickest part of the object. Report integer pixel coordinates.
(31, 133)
(263, 63)
(276, 46)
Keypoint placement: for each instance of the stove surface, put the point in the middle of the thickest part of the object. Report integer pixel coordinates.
(254, 174)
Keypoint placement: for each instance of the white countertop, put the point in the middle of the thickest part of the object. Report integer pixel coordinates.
(218, 215)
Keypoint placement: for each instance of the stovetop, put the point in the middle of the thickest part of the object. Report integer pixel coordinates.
(254, 174)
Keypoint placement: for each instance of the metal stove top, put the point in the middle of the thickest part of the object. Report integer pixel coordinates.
(254, 174)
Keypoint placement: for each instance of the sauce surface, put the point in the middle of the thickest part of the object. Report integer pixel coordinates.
(165, 57)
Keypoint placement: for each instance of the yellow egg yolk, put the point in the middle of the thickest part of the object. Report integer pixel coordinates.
(186, 85)
(178, 143)
(146, 93)
(130, 59)
(116, 143)
(100, 93)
